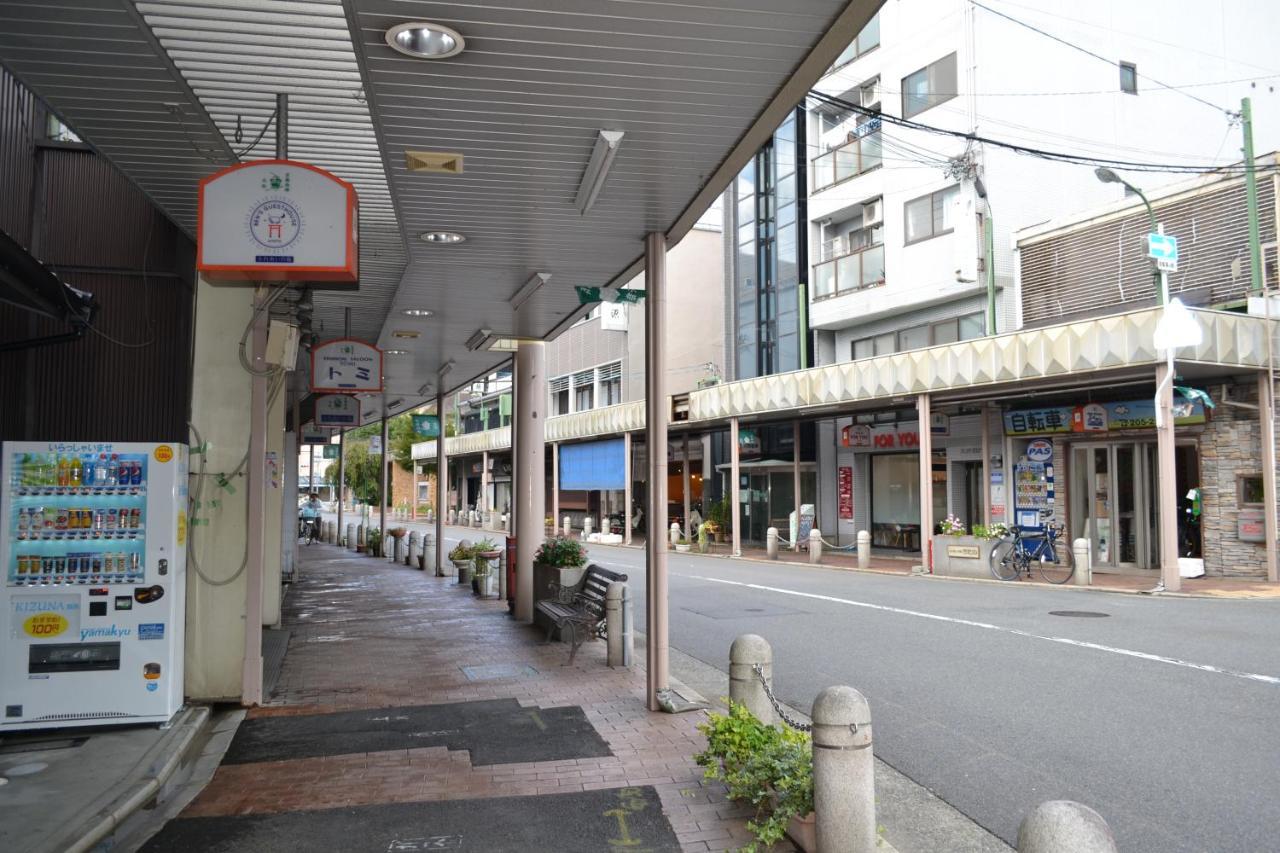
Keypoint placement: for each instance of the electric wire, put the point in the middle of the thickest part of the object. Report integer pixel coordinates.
(254, 144)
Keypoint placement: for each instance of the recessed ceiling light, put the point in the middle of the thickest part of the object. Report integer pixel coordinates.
(395, 352)
(443, 238)
(405, 333)
(417, 312)
(423, 40)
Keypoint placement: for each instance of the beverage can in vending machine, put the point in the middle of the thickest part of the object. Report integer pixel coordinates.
(99, 518)
(23, 561)
(135, 473)
(111, 518)
(60, 518)
(24, 523)
(50, 514)
(122, 469)
(96, 564)
(135, 563)
(135, 518)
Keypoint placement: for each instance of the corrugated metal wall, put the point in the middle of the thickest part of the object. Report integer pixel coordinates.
(1103, 268)
(76, 213)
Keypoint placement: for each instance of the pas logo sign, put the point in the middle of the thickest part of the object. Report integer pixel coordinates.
(1040, 451)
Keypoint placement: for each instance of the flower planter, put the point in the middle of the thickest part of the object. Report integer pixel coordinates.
(803, 832)
(962, 556)
(465, 571)
(683, 549)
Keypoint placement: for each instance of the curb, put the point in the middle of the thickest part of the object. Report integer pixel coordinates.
(147, 779)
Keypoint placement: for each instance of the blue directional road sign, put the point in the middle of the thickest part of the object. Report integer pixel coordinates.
(1164, 249)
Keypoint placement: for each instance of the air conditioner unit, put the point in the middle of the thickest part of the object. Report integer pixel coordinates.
(873, 213)
(869, 94)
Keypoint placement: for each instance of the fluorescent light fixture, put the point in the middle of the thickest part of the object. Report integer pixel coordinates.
(446, 367)
(423, 40)
(428, 389)
(396, 351)
(606, 148)
(418, 312)
(407, 334)
(442, 238)
(522, 295)
(479, 339)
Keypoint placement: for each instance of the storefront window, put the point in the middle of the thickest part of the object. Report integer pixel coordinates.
(895, 500)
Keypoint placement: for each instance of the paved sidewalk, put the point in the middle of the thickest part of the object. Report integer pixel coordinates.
(390, 643)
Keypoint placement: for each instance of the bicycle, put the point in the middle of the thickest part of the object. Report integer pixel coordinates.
(307, 529)
(1014, 553)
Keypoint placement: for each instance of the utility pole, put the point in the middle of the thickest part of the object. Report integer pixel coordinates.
(1251, 197)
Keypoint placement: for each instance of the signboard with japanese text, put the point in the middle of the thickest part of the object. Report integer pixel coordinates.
(1099, 417)
(311, 435)
(346, 366)
(375, 444)
(337, 410)
(278, 220)
(331, 451)
(427, 426)
(845, 491)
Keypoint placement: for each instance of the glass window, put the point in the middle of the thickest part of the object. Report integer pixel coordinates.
(972, 326)
(1251, 489)
(946, 332)
(886, 344)
(1128, 78)
(863, 348)
(868, 39)
(59, 132)
(916, 338)
(930, 86)
(930, 215)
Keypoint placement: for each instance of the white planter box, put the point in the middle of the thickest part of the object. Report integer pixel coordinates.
(962, 556)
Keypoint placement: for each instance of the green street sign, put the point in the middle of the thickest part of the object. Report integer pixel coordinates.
(331, 451)
(427, 426)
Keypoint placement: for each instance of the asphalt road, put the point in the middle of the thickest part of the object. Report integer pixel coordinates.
(1160, 715)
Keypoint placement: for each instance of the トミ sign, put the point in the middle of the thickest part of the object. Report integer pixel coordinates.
(345, 365)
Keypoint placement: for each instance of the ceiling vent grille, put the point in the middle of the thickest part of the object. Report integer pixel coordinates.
(439, 162)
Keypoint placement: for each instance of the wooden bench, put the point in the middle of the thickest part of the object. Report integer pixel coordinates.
(580, 608)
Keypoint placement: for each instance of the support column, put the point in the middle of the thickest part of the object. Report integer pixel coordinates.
(464, 491)
(626, 493)
(251, 671)
(484, 487)
(342, 477)
(795, 480)
(924, 410)
(1267, 418)
(656, 413)
(1167, 482)
(555, 486)
(441, 477)
(383, 494)
(686, 480)
(529, 469)
(986, 467)
(735, 511)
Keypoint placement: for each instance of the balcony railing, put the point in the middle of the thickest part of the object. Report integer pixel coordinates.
(853, 158)
(856, 270)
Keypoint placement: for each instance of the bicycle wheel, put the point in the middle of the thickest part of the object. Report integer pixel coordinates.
(1004, 560)
(1055, 562)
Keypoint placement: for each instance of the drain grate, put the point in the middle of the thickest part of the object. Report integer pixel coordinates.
(1079, 614)
(42, 745)
(489, 672)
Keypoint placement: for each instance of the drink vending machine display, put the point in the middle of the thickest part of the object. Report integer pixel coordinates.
(93, 549)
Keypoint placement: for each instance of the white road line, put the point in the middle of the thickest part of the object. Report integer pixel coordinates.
(1066, 641)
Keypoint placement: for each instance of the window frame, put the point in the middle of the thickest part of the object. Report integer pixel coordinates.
(932, 327)
(934, 232)
(932, 95)
(857, 54)
(1241, 500)
(1132, 69)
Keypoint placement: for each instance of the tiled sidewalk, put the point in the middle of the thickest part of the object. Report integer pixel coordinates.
(369, 634)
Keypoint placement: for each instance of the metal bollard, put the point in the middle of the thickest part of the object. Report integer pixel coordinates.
(586, 527)
(1061, 826)
(1082, 553)
(414, 549)
(771, 543)
(744, 686)
(674, 534)
(815, 546)
(844, 797)
(864, 549)
(618, 631)
(566, 528)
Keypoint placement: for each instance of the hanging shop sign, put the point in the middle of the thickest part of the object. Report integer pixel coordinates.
(427, 426)
(939, 424)
(337, 410)
(346, 366)
(846, 492)
(375, 445)
(1099, 417)
(278, 220)
(331, 451)
(748, 443)
(1040, 451)
(311, 435)
(855, 435)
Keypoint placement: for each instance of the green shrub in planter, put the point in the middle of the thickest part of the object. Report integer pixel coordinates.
(561, 552)
(770, 767)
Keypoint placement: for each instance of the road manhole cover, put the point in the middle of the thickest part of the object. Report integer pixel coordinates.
(1079, 614)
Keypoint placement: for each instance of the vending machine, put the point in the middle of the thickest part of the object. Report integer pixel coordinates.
(93, 549)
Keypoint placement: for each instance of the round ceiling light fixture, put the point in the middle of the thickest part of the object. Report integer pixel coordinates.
(418, 312)
(441, 238)
(423, 40)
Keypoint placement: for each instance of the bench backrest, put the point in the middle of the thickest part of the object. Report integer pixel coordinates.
(595, 585)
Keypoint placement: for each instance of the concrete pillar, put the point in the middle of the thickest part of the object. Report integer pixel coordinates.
(771, 543)
(795, 480)
(626, 493)
(588, 524)
(618, 624)
(1082, 556)
(251, 671)
(815, 546)
(442, 477)
(986, 467)
(1267, 422)
(844, 799)
(464, 494)
(555, 485)
(864, 549)
(735, 493)
(1061, 826)
(685, 482)
(341, 486)
(567, 528)
(745, 688)
(656, 414)
(924, 411)
(1167, 483)
(483, 504)
(530, 469)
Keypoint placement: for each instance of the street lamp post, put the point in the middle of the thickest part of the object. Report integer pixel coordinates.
(1109, 177)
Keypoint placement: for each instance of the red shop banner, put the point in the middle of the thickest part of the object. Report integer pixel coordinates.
(846, 492)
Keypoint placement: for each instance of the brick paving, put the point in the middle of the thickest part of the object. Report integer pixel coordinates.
(370, 634)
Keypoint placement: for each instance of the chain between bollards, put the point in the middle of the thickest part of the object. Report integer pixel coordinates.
(773, 700)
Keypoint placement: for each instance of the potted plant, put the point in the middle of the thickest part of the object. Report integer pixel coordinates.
(462, 558)
(682, 545)
(718, 519)
(703, 537)
(558, 566)
(769, 767)
(482, 555)
(956, 554)
(396, 534)
(373, 542)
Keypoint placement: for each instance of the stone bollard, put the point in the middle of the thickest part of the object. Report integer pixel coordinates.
(771, 543)
(349, 540)
(399, 549)
(414, 549)
(744, 686)
(566, 528)
(815, 546)
(864, 549)
(618, 631)
(361, 541)
(1061, 826)
(450, 518)
(427, 559)
(844, 797)
(506, 523)
(1082, 554)
(586, 528)
(674, 534)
